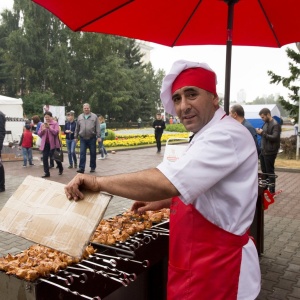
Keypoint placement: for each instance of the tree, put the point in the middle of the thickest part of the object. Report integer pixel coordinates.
(292, 83)
(40, 56)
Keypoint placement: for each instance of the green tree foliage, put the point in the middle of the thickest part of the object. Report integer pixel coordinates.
(44, 62)
(291, 83)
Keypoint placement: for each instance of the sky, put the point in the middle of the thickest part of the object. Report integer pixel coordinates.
(249, 65)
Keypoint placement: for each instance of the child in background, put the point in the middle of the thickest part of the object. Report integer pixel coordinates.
(27, 142)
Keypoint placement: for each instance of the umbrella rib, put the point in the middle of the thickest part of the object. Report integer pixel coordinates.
(102, 16)
(186, 23)
(269, 23)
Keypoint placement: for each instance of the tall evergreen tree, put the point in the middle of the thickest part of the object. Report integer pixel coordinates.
(42, 60)
(292, 83)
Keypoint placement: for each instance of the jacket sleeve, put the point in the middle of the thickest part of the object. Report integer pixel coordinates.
(274, 136)
(40, 133)
(21, 139)
(54, 129)
(98, 133)
(77, 129)
(2, 129)
(66, 127)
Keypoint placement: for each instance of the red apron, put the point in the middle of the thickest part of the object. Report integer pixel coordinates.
(204, 260)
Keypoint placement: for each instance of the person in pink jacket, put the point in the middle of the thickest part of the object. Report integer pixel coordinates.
(48, 133)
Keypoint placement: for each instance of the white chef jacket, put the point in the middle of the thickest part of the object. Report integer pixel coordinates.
(218, 175)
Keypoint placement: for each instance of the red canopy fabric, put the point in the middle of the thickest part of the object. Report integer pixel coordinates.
(270, 23)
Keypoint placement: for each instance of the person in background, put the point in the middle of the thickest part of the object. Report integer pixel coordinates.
(270, 144)
(102, 149)
(237, 112)
(37, 124)
(70, 140)
(2, 136)
(296, 128)
(49, 134)
(210, 253)
(88, 131)
(26, 143)
(159, 126)
(51, 164)
(139, 121)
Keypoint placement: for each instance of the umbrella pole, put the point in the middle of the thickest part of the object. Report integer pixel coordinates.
(230, 4)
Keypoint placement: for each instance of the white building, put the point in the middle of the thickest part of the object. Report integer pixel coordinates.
(145, 50)
(241, 96)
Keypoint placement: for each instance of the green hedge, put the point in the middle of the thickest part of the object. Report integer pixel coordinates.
(175, 128)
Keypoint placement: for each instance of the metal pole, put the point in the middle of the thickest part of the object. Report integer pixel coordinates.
(298, 135)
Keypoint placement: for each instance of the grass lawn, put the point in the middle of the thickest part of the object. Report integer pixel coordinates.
(282, 162)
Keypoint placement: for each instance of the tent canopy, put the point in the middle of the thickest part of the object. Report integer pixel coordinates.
(11, 107)
(252, 113)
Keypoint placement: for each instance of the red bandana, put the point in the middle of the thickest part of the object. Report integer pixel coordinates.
(199, 77)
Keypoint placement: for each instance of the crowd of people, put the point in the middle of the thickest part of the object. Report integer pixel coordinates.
(91, 131)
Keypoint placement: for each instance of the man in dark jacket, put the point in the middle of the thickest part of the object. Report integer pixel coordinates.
(237, 112)
(159, 126)
(2, 135)
(88, 131)
(270, 144)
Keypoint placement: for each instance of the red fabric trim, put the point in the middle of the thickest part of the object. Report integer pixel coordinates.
(199, 77)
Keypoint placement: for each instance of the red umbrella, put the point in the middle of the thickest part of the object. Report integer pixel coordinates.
(269, 23)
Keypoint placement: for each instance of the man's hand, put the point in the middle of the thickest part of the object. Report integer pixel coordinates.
(141, 207)
(259, 130)
(78, 183)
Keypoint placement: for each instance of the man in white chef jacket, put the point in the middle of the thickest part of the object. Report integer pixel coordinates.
(211, 189)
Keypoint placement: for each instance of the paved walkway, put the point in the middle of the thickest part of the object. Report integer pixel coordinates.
(280, 262)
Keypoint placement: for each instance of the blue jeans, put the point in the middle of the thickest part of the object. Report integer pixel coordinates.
(27, 154)
(84, 145)
(102, 148)
(71, 144)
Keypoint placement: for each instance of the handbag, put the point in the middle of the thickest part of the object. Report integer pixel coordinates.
(58, 154)
(38, 141)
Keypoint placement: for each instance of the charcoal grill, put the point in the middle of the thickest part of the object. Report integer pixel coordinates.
(134, 269)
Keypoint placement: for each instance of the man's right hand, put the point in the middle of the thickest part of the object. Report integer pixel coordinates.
(141, 207)
(80, 182)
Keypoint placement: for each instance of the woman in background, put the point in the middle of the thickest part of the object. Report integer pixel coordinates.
(102, 149)
(49, 134)
(70, 140)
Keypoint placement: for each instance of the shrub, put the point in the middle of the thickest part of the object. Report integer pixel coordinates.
(111, 135)
(288, 145)
(175, 128)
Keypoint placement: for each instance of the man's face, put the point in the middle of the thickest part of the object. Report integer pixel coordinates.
(265, 118)
(158, 117)
(86, 109)
(195, 107)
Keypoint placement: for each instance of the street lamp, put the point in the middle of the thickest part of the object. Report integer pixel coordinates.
(298, 135)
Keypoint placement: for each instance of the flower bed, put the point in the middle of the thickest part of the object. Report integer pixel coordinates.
(128, 140)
